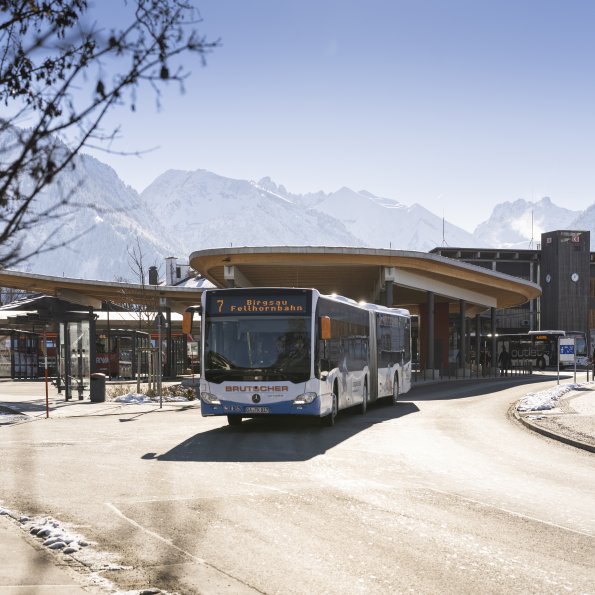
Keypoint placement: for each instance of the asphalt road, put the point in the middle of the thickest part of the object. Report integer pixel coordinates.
(444, 493)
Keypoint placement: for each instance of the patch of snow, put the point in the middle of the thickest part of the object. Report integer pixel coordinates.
(140, 399)
(134, 398)
(547, 399)
(54, 536)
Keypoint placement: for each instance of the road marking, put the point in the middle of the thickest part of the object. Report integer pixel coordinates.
(259, 485)
(155, 535)
(171, 544)
(512, 512)
(176, 499)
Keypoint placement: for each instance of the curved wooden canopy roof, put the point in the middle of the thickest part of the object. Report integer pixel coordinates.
(359, 273)
(92, 293)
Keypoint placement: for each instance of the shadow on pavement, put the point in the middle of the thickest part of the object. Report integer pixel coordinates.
(277, 439)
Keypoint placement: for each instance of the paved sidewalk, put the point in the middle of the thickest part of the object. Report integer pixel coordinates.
(28, 568)
(27, 400)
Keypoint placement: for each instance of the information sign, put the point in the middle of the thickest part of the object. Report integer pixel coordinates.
(251, 305)
(566, 350)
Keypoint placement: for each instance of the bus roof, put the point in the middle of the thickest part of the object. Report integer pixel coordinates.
(555, 332)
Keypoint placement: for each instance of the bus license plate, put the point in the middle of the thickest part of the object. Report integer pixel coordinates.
(257, 410)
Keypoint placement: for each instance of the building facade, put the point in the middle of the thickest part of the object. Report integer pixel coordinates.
(562, 264)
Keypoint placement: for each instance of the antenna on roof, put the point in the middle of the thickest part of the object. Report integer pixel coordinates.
(443, 232)
(531, 241)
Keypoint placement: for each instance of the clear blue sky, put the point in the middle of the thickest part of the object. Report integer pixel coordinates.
(453, 104)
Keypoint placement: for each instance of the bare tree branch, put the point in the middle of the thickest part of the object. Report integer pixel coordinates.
(47, 55)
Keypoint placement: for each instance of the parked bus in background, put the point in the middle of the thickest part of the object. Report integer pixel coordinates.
(271, 351)
(540, 348)
(547, 341)
(18, 354)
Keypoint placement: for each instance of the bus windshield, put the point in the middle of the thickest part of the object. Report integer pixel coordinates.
(258, 347)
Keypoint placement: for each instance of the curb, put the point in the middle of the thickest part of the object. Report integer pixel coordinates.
(550, 434)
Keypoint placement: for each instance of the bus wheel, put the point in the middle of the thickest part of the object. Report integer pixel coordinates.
(541, 363)
(396, 390)
(234, 420)
(329, 420)
(365, 399)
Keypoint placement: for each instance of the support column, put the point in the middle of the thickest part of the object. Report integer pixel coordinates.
(67, 362)
(169, 363)
(388, 293)
(538, 300)
(229, 274)
(531, 302)
(478, 358)
(493, 346)
(463, 345)
(92, 341)
(431, 372)
(234, 277)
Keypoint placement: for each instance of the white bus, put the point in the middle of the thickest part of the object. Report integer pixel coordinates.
(275, 351)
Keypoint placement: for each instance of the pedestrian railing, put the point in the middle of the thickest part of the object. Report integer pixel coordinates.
(456, 372)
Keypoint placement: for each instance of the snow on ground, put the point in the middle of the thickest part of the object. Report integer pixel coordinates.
(548, 399)
(11, 418)
(63, 540)
(171, 393)
(140, 399)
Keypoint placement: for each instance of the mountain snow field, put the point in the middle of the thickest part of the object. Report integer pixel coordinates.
(184, 211)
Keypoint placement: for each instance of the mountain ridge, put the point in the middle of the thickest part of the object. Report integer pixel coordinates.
(183, 211)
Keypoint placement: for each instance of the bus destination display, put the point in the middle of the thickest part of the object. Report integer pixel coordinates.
(239, 305)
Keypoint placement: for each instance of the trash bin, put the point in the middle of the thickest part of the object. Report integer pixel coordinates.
(97, 388)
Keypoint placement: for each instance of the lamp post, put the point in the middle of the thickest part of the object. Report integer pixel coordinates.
(159, 355)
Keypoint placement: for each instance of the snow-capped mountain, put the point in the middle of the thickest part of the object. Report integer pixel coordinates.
(584, 221)
(515, 224)
(212, 211)
(205, 210)
(183, 211)
(385, 223)
(103, 223)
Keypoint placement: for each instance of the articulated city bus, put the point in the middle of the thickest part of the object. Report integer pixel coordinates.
(271, 351)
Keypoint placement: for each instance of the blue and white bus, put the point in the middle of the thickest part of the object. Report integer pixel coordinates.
(275, 351)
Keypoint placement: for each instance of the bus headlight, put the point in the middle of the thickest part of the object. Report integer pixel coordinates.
(209, 398)
(305, 399)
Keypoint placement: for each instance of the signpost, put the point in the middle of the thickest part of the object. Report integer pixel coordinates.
(45, 366)
(566, 353)
(160, 322)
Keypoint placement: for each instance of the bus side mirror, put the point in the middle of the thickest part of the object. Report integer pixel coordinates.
(324, 368)
(187, 322)
(325, 328)
(187, 317)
